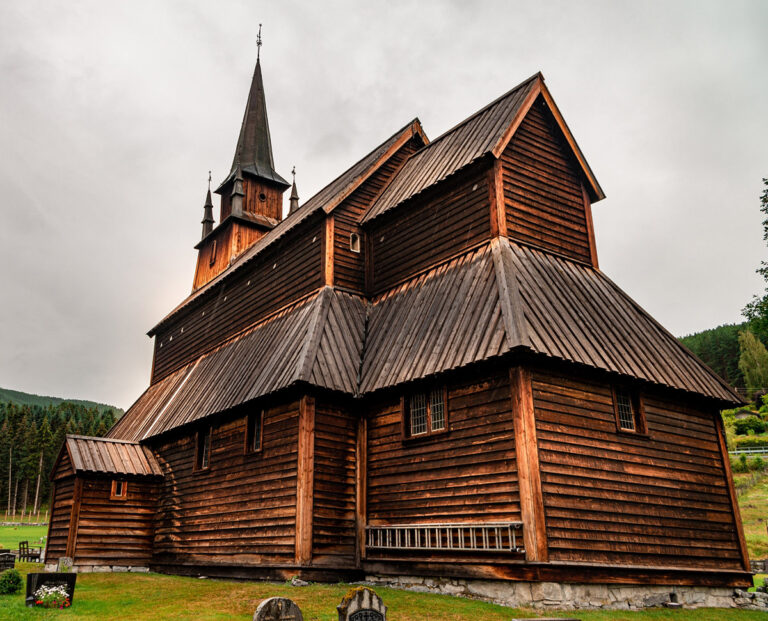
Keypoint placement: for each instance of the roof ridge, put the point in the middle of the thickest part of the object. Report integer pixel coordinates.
(509, 294)
(315, 329)
(76, 436)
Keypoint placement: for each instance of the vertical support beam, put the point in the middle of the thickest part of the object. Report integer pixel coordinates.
(496, 200)
(361, 497)
(328, 250)
(51, 504)
(590, 227)
(368, 250)
(732, 491)
(305, 480)
(74, 518)
(528, 472)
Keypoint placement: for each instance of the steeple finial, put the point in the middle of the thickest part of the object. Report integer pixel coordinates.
(207, 221)
(294, 201)
(258, 45)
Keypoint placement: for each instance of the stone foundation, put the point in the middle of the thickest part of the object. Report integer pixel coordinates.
(104, 569)
(561, 596)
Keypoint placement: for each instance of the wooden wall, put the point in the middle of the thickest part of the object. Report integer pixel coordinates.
(285, 272)
(349, 267)
(204, 271)
(271, 206)
(660, 500)
(61, 511)
(334, 486)
(469, 474)
(116, 532)
(542, 189)
(442, 224)
(242, 510)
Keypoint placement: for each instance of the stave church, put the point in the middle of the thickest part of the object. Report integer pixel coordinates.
(419, 371)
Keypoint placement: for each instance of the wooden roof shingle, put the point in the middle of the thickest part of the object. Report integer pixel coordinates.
(110, 456)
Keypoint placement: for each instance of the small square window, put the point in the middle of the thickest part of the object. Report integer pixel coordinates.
(203, 449)
(424, 413)
(629, 412)
(119, 490)
(254, 431)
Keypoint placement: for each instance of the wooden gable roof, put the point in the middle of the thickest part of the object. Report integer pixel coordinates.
(107, 456)
(323, 201)
(318, 340)
(487, 132)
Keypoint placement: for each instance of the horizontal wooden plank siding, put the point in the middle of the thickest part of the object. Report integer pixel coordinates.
(116, 532)
(542, 189)
(242, 509)
(334, 480)
(468, 474)
(285, 273)
(453, 218)
(610, 497)
(349, 266)
(61, 511)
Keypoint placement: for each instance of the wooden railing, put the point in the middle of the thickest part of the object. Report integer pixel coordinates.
(462, 537)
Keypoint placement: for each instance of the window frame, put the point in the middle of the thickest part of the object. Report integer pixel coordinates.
(113, 495)
(638, 411)
(214, 248)
(249, 436)
(405, 414)
(355, 243)
(199, 444)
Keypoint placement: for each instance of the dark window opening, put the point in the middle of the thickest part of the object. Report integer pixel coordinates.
(262, 197)
(354, 242)
(425, 413)
(629, 412)
(119, 489)
(254, 432)
(213, 253)
(203, 449)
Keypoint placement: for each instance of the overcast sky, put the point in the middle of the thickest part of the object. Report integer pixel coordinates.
(111, 115)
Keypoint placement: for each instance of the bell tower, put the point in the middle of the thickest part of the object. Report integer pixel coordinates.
(252, 193)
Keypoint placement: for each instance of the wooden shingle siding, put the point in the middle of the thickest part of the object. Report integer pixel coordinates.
(468, 474)
(270, 282)
(454, 218)
(243, 508)
(349, 267)
(334, 494)
(542, 189)
(612, 497)
(61, 511)
(116, 532)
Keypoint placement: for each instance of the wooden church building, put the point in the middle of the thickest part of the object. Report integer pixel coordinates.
(422, 371)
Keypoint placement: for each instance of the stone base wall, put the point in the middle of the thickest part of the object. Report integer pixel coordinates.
(104, 569)
(562, 596)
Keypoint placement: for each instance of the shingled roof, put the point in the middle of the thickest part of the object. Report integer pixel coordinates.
(324, 200)
(110, 456)
(318, 341)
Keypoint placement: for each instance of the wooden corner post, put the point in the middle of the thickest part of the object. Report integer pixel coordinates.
(496, 200)
(528, 472)
(74, 519)
(305, 480)
(732, 492)
(361, 466)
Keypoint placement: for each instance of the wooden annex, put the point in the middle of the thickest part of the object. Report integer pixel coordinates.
(420, 370)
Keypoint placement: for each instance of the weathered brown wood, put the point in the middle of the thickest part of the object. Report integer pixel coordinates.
(74, 517)
(328, 249)
(361, 479)
(590, 228)
(726, 461)
(305, 480)
(496, 200)
(529, 477)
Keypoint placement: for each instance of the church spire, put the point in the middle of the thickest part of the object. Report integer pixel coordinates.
(208, 210)
(294, 202)
(254, 146)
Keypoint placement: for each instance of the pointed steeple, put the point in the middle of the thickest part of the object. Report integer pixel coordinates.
(207, 221)
(294, 201)
(254, 146)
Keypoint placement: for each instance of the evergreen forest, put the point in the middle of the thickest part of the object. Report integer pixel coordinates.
(30, 439)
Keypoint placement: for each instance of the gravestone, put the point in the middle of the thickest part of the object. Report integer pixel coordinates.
(65, 564)
(35, 581)
(362, 604)
(277, 609)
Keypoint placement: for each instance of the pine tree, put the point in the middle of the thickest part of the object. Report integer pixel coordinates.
(753, 363)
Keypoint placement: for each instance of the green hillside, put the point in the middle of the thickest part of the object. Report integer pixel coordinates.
(24, 398)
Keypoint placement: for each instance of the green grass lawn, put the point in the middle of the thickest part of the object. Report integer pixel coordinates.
(753, 505)
(158, 597)
(11, 535)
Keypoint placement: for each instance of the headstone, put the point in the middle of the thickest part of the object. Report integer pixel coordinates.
(65, 564)
(277, 609)
(36, 580)
(362, 604)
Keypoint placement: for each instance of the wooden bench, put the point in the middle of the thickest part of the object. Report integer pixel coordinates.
(26, 553)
